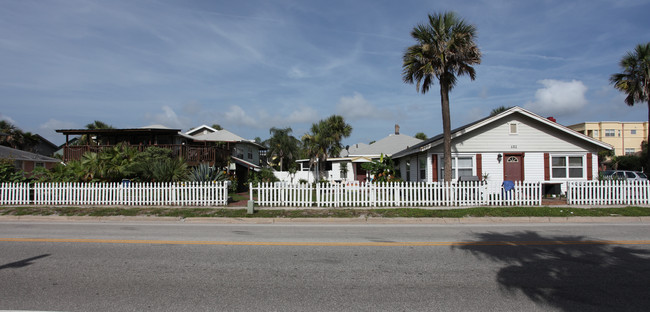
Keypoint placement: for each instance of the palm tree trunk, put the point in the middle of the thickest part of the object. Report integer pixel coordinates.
(446, 129)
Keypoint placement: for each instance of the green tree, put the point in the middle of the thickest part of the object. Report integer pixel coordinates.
(217, 127)
(634, 81)
(421, 136)
(499, 110)
(283, 147)
(87, 139)
(324, 140)
(445, 49)
(14, 137)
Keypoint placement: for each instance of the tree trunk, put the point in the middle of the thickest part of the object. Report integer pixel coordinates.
(446, 129)
(647, 163)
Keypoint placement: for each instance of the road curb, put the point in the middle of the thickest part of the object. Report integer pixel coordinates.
(361, 220)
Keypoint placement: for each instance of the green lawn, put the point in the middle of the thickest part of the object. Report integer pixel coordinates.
(329, 213)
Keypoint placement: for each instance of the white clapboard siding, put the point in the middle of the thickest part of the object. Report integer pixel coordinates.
(400, 194)
(608, 193)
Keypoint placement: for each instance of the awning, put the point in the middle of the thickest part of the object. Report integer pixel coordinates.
(246, 164)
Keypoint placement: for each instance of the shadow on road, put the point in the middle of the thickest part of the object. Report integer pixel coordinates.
(568, 272)
(22, 263)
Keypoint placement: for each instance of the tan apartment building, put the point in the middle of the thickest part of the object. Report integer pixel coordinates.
(625, 137)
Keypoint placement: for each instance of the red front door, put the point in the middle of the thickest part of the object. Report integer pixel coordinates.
(513, 167)
(361, 173)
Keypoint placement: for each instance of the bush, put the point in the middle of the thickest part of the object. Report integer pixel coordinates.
(9, 172)
(205, 173)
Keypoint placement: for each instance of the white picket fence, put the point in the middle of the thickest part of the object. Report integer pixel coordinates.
(410, 194)
(608, 193)
(116, 194)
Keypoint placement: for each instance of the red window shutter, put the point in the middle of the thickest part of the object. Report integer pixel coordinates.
(434, 167)
(547, 167)
(479, 166)
(590, 173)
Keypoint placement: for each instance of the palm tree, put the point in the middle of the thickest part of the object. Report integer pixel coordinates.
(499, 110)
(86, 139)
(283, 146)
(635, 80)
(445, 48)
(324, 140)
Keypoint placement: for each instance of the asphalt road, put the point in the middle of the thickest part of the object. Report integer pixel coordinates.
(323, 267)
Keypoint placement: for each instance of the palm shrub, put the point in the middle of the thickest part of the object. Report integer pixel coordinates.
(168, 170)
(205, 173)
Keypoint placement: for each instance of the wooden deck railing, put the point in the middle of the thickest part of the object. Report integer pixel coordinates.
(193, 155)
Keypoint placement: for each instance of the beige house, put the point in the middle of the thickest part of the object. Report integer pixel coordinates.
(625, 137)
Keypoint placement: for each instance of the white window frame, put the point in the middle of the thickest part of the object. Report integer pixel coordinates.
(516, 128)
(630, 151)
(595, 133)
(567, 166)
(454, 165)
(610, 133)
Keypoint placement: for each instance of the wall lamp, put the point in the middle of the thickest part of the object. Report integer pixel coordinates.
(499, 157)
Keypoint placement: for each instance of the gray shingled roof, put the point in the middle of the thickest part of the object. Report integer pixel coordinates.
(14, 154)
(387, 146)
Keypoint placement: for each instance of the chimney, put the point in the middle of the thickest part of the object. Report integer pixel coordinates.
(396, 129)
(551, 119)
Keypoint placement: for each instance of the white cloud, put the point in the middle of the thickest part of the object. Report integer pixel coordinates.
(296, 73)
(168, 118)
(7, 118)
(47, 130)
(558, 97)
(357, 107)
(236, 115)
(302, 114)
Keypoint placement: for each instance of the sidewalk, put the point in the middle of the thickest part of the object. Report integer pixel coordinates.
(362, 220)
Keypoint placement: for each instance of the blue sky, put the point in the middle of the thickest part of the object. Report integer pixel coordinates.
(252, 65)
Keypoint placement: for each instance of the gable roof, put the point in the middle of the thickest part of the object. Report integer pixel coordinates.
(387, 146)
(224, 136)
(437, 140)
(15, 154)
(195, 131)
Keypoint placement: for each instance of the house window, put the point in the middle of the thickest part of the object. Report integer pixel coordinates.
(423, 168)
(619, 133)
(633, 131)
(250, 154)
(567, 166)
(408, 170)
(629, 151)
(610, 132)
(595, 133)
(39, 165)
(461, 166)
(513, 128)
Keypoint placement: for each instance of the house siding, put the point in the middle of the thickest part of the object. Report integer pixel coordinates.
(531, 136)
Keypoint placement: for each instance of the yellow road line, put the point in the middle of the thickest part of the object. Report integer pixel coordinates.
(329, 244)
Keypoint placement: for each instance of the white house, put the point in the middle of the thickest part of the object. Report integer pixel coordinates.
(515, 145)
(347, 167)
(243, 152)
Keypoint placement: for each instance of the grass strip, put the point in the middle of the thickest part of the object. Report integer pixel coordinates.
(329, 213)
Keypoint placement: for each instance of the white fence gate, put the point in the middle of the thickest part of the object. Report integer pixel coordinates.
(116, 194)
(399, 194)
